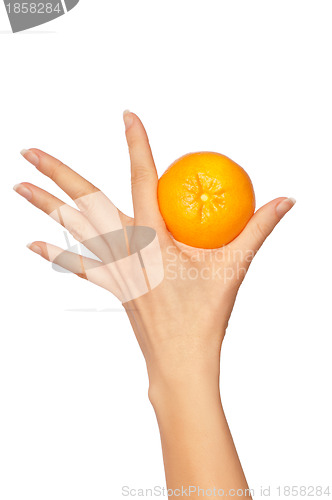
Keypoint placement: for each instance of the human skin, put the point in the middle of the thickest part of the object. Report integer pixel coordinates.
(180, 324)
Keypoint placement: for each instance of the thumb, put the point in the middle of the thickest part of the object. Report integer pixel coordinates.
(263, 222)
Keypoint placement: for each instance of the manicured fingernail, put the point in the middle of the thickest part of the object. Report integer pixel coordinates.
(127, 118)
(284, 206)
(23, 191)
(30, 156)
(34, 248)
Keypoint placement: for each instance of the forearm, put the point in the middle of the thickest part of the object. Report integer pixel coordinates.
(197, 445)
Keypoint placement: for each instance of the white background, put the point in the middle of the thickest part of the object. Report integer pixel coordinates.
(251, 80)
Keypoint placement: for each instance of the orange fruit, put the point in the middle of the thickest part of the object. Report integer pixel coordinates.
(206, 199)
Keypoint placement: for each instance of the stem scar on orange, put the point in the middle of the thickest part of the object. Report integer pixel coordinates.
(205, 199)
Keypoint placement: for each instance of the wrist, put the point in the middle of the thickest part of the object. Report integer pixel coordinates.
(176, 385)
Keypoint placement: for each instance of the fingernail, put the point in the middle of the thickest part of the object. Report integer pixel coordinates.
(23, 191)
(284, 206)
(34, 248)
(30, 156)
(127, 118)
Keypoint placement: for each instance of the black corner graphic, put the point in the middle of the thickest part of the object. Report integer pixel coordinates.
(24, 15)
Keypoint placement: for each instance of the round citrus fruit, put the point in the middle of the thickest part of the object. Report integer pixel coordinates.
(206, 199)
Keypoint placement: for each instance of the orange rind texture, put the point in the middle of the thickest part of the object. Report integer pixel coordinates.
(206, 199)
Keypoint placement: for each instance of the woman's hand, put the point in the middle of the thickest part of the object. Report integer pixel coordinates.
(178, 300)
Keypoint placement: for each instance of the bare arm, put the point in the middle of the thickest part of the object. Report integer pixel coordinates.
(198, 448)
(179, 325)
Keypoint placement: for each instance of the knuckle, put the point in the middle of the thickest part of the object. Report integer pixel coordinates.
(137, 141)
(260, 230)
(86, 199)
(83, 201)
(55, 170)
(140, 174)
(84, 194)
